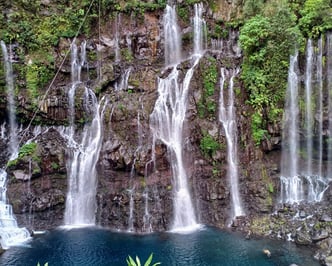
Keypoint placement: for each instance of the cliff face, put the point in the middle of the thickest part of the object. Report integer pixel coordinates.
(125, 59)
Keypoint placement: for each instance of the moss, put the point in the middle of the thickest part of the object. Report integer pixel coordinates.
(12, 163)
(55, 166)
(27, 149)
(260, 225)
(208, 145)
(207, 104)
(127, 55)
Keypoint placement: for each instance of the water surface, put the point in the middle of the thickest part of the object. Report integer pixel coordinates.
(101, 247)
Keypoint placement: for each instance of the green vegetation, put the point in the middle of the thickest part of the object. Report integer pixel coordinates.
(270, 33)
(46, 264)
(258, 132)
(315, 17)
(55, 166)
(267, 40)
(207, 105)
(26, 150)
(209, 145)
(140, 7)
(137, 262)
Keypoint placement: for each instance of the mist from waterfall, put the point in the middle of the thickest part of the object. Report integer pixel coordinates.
(305, 172)
(227, 118)
(84, 153)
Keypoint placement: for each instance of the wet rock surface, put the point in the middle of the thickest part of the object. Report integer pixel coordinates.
(134, 172)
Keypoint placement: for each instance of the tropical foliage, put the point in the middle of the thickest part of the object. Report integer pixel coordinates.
(137, 262)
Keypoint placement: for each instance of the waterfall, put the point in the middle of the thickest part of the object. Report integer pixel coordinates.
(227, 117)
(167, 121)
(117, 38)
(308, 104)
(122, 82)
(172, 37)
(291, 183)
(82, 186)
(81, 165)
(320, 105)
(77, 62)
(168, 116)
(10, 233)
(131, 210)
(329, 98)
(305, 173)
(199, 29)
(11, 108)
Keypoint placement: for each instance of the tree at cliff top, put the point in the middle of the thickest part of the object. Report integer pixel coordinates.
(271, 31)
(267, 40)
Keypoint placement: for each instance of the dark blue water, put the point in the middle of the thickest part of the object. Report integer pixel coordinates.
(100, 247)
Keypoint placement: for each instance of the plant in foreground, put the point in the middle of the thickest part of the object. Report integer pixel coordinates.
(131, 262)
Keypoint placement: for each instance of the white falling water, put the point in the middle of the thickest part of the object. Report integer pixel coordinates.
(10, 233)
(172, 37)
(291, 183)
(131, 210)
(167, 121)
(319, 77)
(3, 131)
(317, 184)
(11, 107)
(82, 187)
(227, 117)
(117, 38)
(329, 85)
(306, 150)
(81, 165)
(199, 29)
(168, 116)
(78, 60)
(308, 104)
(122, 83)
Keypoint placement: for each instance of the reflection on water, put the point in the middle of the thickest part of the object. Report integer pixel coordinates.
(100, 247)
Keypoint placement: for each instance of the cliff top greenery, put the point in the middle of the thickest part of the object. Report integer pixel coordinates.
(270, 30)
(270, 33)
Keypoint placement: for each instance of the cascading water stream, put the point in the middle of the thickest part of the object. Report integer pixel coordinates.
(172, 37)
(199, 30)
(11, 107)
(329, 98)
(122, 83)
(81, 165)
(308, 104)
(10, 233)
(81, 196)
(167, 121)
(117, 38)
(168, 116)
(320, 105)
(291, 183)
(227, 117)
(305, 150)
